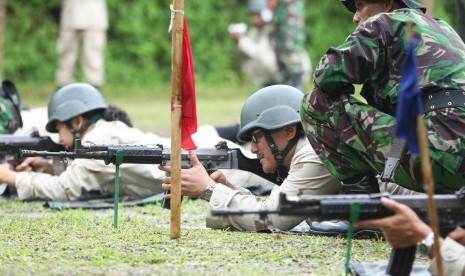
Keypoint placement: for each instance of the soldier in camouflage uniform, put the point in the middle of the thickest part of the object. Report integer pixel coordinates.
(288, 38)
(353, 138)
(10, 116)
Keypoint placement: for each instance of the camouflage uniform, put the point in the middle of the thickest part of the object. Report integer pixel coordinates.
(354, 138)
(10, 116)
(289, 38)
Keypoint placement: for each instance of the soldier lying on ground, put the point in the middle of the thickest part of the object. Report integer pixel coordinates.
(270, 119)
(79, 111)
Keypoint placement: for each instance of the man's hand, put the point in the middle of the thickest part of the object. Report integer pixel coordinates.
(403, 229)
(193, 180)
(36, 164)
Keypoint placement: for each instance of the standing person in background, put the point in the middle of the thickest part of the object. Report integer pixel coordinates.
(83, 24)
(254, 46)
(459, 18)
(288, 39)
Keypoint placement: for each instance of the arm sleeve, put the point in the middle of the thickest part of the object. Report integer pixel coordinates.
(75, 182)
(361, 57)
(306, 176)
(453, 258)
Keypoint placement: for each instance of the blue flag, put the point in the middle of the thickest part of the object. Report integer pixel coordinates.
(409, 103)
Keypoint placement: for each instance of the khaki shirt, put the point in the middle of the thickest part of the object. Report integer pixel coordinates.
(453, 258)
(84, 15)
(307, 176)
(83, 177)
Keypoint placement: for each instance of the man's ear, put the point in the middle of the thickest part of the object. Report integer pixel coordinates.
(77, 122)
(290, 131)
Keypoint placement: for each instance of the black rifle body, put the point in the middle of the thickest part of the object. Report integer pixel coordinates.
(219, 157)
(450, 208)
(11, 145)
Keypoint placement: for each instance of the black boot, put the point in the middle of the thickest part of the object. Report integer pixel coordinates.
(361, 184)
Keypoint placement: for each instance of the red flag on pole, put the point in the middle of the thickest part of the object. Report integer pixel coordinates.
(189, 111)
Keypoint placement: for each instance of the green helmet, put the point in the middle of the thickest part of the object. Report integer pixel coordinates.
(73, 100)
(412, 4)
(270, 108)
(10, 105)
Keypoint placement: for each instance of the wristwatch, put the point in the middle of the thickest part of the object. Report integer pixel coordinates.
(207, 193)
(426, 244)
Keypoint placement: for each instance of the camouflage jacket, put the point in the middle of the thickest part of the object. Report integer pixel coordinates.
(373, 56)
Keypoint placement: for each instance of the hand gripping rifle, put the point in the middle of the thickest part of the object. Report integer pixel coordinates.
(451, 210)
(219, 157)
(10, 146)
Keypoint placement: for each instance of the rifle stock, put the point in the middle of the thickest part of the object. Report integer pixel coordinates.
(10, 146)
(451, 210)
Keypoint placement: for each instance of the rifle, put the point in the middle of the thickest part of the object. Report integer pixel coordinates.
(451, 208)
(10, 145)
(219, 157)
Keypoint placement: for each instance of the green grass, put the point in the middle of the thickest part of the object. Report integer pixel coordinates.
(39, 241)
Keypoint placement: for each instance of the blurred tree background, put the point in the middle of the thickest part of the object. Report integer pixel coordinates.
(139, 45)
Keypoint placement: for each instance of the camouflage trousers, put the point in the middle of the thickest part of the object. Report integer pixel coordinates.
(353, 138)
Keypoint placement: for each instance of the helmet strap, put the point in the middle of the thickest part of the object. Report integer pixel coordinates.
(280, 155)
(87, 123)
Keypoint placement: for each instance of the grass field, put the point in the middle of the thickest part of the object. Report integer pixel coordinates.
(38, 241)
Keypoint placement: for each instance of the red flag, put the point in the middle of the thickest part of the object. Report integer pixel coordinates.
(189, 111)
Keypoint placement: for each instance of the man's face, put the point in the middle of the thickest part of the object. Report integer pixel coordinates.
(256, 20)
(367, 9)
(66, 138)
(261, 148)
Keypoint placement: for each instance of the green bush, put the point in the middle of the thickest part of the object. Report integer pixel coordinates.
(139, 45)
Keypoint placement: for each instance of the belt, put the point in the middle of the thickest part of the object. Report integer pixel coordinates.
(443, 99)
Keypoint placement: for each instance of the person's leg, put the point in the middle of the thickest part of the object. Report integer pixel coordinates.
(354, 139)
(68, 52)
(93, 57)
(346, 136)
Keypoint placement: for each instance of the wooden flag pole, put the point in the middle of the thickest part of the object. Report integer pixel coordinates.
(176, 101)
(428, 186)
(428, 182)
